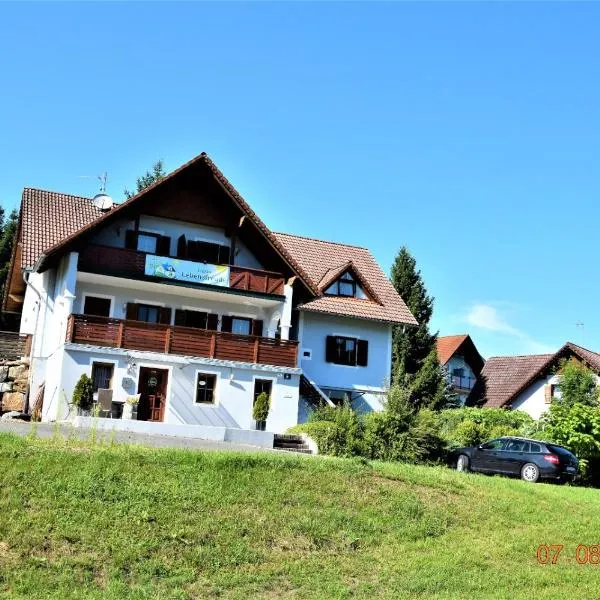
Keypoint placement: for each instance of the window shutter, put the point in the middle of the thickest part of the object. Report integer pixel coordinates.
(163, 245)
(212, 321)
(362, 352)
(226, 323)
(180, 317)
(165, 315)
(181, 247)
(131, 313)
(330, 348)
(224, 255)
(548, 394)
(131, 239)
(257, 327)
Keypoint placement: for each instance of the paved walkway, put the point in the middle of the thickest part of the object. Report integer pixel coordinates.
(48, 430)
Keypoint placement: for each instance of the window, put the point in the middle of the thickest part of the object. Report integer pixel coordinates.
(262, 385)
(241, 325)
(345, 286)
(205, 388)
(149, 314)
(146, 243)
(346, 351)
(458, 372)
(207, 252)
(535, 448)
(99, 307)
(493, 445)
(102, 374)
(196, 318)
(516, 446)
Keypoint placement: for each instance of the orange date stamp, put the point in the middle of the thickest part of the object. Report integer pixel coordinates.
(552, 554)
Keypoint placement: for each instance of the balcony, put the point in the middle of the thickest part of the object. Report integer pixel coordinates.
(461, 383)
(186, 341)
(108, 260)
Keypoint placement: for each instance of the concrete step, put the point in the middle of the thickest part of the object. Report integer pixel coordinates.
(290, 445)
(298, 450)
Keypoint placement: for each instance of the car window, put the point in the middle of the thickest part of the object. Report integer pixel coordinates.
(516, 446)
(534, 447)
(493, 445)
(559, 450)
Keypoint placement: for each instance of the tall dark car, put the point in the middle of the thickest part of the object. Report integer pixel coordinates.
(531, 460)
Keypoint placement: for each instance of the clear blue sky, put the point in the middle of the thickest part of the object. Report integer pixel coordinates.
(468, 131)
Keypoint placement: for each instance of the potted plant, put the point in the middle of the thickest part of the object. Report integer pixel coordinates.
(83, 395)
(130, 407)
(260, 410)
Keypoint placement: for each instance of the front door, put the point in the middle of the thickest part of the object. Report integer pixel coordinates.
(152, 386)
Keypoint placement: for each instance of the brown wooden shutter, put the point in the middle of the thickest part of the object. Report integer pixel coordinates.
(257, 327)
(131, 239)
(212, 321)
(330, 348)
(362, 353)
(180, 317)
(548, 394)
(131, 313)
(224, 255)
(165, 315)
(163, 245)
(226, 323)
(182, 247)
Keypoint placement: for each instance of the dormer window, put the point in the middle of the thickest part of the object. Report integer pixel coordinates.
(346, 287)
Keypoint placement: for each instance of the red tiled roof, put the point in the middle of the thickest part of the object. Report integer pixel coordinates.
(48, 218)
(448, 345)
(503, 378)
(319, 257)
(52, 222)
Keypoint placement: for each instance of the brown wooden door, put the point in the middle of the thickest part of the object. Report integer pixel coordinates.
(153, 389)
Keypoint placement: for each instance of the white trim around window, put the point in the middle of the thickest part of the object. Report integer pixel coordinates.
(216, 393)
(111, 311)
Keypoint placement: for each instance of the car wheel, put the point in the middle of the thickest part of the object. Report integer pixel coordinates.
(530, 472)
(462, 464)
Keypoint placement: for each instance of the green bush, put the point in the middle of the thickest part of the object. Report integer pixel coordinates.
(83, 395)
(260, 410)
(577, 427)
(473, 426)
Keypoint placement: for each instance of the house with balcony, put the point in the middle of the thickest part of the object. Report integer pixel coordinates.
(462, 362)
(183, 297)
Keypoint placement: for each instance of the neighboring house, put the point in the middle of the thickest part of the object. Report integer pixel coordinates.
(462, 362)
(527, 383)
(183, 295)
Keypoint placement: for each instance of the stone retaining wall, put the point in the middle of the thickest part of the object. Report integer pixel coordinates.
(14, 378)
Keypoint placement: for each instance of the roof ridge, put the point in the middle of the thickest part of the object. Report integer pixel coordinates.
(313, 239)
(35, 189)
(523, 355)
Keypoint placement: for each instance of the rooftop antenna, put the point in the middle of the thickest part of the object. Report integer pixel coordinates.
(103, 178)
(581, 327)
(102, 201)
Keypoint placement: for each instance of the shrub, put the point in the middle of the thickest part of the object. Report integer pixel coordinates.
(577, 384)
(260, 410)
(472, 426)
(576, 427)
(83, 395)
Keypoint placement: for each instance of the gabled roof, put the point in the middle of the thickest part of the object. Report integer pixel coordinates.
(48, 218)
(449, 345)
(503, 378)
(335, 273)
(319, 257)
(70, 239)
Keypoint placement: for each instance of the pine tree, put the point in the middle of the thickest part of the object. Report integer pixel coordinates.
(8, 232)
(415, 364)
(148, 178)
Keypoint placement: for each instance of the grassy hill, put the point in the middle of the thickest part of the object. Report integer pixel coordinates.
(89, 521)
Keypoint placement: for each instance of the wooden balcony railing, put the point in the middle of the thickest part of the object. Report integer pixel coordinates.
(186, 341)
(108, 260)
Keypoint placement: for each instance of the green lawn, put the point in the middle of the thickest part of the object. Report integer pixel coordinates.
(92, 521)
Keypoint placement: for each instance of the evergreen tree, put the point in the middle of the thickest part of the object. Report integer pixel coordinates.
(415, 364)
(148, 178)
(8, 232)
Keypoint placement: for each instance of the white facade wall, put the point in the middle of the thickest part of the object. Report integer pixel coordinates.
(234, 387)
(458, 362)
(372, 379)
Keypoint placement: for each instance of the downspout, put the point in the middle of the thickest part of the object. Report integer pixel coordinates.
(26, 274)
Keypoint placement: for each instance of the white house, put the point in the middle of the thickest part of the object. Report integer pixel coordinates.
(528, 383)
(183, 295)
